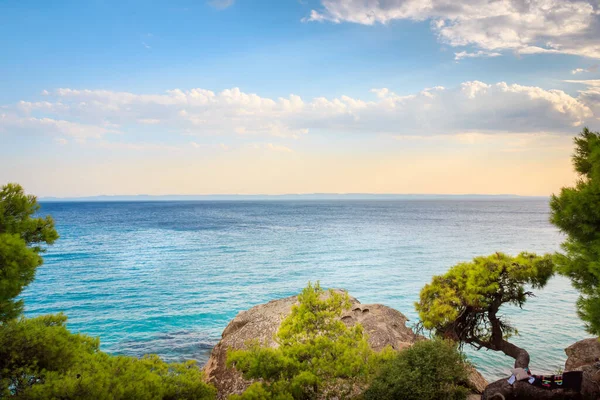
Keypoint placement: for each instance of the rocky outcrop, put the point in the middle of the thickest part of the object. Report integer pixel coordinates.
(585, 356)
(582, 356)
(477, 383)
(585, 352)
(384, 325)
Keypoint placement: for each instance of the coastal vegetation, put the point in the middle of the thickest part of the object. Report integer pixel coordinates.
(21, 239)
(317, 353)
(428, 370)
(463, 304)
(576, 212)
(319, 356)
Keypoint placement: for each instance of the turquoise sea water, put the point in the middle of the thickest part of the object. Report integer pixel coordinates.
(166, 277)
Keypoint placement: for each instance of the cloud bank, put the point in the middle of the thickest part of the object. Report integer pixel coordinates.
(525, 27)
(473, 106)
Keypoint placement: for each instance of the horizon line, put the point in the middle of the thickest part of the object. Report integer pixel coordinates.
(291, 196)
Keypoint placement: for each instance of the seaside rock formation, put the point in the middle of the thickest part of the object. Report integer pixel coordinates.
(384, 325)
(584, 352)
(585, 356)
(582, 356)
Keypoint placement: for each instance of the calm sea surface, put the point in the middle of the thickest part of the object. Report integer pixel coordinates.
(166, 277)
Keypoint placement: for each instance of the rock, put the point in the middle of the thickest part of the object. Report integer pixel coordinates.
(585, 356)
(384, 325)
(477, 382)
(522, 390)
(584, 352)
(582, 356)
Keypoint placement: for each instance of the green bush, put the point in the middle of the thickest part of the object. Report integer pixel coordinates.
(41, 359)
(429, 370)
(318, 355)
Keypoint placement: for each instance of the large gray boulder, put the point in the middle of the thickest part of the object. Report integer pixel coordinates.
(384, 325)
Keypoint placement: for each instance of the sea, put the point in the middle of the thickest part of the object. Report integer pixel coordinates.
(166, 277)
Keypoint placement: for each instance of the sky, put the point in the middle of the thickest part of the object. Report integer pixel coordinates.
(295, 96)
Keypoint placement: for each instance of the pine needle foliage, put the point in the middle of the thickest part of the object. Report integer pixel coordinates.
(317, 354)
(22, 240)
(576, 212)
(40, 359)
(464, 303)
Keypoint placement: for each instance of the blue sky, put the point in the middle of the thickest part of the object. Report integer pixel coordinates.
(260, 45)
(75, 73)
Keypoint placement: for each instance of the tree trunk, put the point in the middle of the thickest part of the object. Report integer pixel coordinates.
(520, 355)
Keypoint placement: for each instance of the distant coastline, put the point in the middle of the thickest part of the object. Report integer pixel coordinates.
(279, 197)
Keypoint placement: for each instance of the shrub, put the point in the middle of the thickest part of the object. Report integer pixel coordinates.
(429, 370)
(41, 359)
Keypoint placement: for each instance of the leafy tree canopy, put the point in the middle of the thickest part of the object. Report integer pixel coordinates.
(318, 355)
(22, 237)
(463, 304)
(576, 212)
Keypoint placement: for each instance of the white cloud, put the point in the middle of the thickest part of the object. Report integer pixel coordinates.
(593, 68)
(61, 141)
(590, 96)
(26, 125)
(526, 27)
(470, 107)
(587, 82)
(477, 54)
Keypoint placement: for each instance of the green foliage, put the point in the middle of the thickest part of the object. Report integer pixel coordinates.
(259, 391)
(462, 304)
(21, 240)
(101, 376)
(30, 346)
(576, 212)
(41, 359)
(429, 370)
(317, 353)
